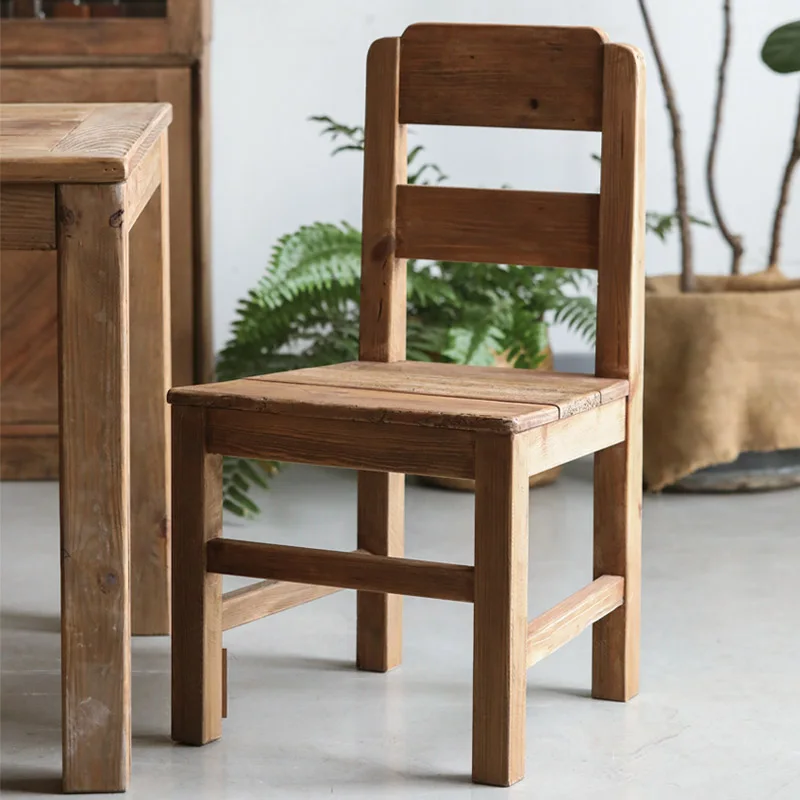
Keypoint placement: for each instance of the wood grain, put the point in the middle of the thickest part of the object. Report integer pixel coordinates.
(143, 182)
(27, 217)
(381, 521)
(335, 403)
(150, 381)
(382, 337)
(24, 41)
(196, 593)
(568, 619)
(203, 294)
(28, 457)
(500, 621)
(564, 441)
(352, 445)
(620, 354)
(383, 275)
(497, 226)
(502, 76)
(357, 570)
(94, 487)
(266, 598)
(570, 393)
(104, 146)
(28, 338)
(189, 26)
(189, 212)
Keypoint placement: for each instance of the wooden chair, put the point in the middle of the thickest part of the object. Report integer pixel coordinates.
(385, 416)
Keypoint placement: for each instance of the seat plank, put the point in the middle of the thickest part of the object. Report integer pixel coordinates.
(365, 405)
(570, 393)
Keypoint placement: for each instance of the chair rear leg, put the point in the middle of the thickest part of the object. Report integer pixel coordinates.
(500, 613)
(196, 594)
(617, 551)
(381, 497)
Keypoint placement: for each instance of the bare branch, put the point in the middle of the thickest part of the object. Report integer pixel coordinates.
(783, 196)
(682, 209)
(733, 239)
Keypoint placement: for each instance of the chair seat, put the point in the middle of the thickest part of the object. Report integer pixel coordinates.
(413, 392)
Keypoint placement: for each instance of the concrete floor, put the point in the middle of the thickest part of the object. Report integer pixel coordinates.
(718, 716)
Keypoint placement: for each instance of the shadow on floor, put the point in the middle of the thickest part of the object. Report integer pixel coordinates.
(26, 781)
(27, 621)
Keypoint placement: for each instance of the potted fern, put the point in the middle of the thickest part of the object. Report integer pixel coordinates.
(304, 310)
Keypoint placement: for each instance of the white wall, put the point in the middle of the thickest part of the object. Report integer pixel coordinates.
(276, 63)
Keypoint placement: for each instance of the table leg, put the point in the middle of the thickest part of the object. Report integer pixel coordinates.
(150, 363)
(94, 486)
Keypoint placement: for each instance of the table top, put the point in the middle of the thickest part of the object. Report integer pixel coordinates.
(77, 143)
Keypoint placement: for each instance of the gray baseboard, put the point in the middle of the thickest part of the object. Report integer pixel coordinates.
(574, 362)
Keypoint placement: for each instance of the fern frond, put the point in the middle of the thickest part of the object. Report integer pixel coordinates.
(579, 314)
(239, 476)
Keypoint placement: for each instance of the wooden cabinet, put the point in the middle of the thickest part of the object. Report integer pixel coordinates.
(91, 60)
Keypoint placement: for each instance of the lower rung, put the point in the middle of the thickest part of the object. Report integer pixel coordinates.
(563, 622)
(357, 570)
(267, 597)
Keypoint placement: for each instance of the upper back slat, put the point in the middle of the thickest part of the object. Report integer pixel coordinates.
(502, 76)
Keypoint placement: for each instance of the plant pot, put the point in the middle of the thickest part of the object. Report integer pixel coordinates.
(468, 485)
(721, 379)
(751, 472)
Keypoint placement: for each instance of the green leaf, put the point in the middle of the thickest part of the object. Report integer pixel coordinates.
(240, 498)
(781, 50)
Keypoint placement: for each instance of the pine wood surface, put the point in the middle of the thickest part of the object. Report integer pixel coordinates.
(620, 354)
(447, 223)
(563, 622)
(27, 217)
(95, 488)
(502, 76)
(73, 143)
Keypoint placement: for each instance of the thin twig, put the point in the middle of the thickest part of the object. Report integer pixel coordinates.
(682, 209)
(733, 239)
(783, 197)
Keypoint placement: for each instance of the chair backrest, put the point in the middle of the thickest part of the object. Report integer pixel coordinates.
(513, 77)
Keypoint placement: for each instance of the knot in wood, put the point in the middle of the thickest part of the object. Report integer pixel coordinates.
(383, 249)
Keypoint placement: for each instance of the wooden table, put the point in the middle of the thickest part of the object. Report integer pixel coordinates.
(76, 179)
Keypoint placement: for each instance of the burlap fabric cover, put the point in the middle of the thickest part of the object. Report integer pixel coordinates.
(722, 372)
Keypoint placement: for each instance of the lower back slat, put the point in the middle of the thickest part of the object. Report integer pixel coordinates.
(498, 226)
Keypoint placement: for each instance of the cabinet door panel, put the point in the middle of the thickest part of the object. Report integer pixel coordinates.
(138, 85)
(29, 338)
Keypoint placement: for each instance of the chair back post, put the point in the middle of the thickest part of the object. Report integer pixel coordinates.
(620, 292)
(382, 335)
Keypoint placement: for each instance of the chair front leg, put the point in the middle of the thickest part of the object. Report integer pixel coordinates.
(196, 594)
(500, 613)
